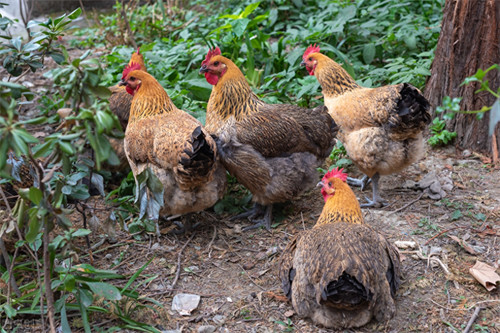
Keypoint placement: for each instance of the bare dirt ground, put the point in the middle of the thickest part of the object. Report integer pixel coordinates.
(235, 272)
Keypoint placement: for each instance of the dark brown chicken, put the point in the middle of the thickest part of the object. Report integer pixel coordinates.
(173, 158)
(340, 273)
(381, 128)
(273, 150)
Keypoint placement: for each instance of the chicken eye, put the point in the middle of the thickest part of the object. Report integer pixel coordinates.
(132, 78)
(310, 59)
(216, 63)
(329, 183)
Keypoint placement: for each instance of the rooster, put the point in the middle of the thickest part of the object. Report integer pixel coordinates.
(340, 273)
(273, 150)
(173, 158)
(381, 128)
(119, 104)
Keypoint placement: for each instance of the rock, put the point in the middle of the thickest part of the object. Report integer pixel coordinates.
(219, 319)
(206, 329)
(155, 246)
(171, 331)
(405, 244)
(185, 303)
(466, 153)
(108, 256)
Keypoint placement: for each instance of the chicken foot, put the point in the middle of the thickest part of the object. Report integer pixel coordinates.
(363, 182)
(256, 211)
(377, 200)
(265, 221)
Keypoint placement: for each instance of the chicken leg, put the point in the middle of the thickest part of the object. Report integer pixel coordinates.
(377, 200)
(256, 211)
(265, 221)
(359, 182)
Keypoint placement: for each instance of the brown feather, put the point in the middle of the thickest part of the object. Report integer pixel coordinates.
(341, 273)
(175, 146)
(273, 150)
(381, 128)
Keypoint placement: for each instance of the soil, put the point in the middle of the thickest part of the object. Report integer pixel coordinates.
(235, 272)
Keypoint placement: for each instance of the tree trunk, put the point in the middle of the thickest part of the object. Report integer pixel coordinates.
(469, 40)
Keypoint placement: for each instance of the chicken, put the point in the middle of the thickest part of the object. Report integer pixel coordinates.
(273, 150)
(381, 128)
(173, 158)
(341, 273)
(119, 104)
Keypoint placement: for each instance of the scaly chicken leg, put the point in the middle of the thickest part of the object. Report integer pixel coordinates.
(359, 182)
(251, 214)
(377, 200)
(265, 221)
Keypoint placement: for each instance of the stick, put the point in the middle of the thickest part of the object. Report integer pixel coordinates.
(494, 148)
(211, 242)
(472, 319)
(179, 256)
(408, 204)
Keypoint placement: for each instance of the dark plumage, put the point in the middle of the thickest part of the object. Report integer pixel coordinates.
(273, 150)
(341, 273)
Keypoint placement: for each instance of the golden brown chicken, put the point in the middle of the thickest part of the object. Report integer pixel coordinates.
(119, 104)
(341, 273)
(173, 158)
(381, 128)
(273, 150)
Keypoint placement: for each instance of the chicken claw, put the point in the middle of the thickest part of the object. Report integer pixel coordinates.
(263, 222)
(363, 182)
(377, 201)
(256, 211)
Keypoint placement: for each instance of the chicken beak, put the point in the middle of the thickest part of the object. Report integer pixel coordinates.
(320, 184)
(302, 63)
(122, 83)
(203, 69)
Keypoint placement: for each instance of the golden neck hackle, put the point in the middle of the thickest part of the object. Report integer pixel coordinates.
(232, 95)
(343, 206)
(334, 79)
(150, 99)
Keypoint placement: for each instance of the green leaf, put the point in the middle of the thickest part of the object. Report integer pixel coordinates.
(57, 57)
(369, 53)
(9, 310)
(456, 215)
(101, 92)
(35, 195)
(74, 14)
(81, 233)
(33, 229)
(64, 321)
(105, 290)
(239, 26)
(69, 283)
(249, 9)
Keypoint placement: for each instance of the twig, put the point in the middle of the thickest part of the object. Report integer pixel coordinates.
(408, 204)
(12, 280)
(179, 256)
(472, 319)
(303, 224)
(127, 25)
(211, 242)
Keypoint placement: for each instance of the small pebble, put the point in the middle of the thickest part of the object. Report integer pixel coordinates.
(219, 319)
(206, 329)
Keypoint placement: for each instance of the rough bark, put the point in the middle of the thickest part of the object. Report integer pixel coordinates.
(469, 40)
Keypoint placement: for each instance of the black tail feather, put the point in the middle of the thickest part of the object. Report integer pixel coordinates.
(199, 156)
(346, 292)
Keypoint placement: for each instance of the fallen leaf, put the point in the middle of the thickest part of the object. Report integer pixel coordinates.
(459, 185)
(485, 274)
(463, 244)
(249, 265)
(449, 167)
(64, 112)
(488, 231)
(289, 313)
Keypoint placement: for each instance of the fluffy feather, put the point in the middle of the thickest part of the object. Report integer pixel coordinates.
(273, 150)
(381, 128)
(341, 273)
(174, 146)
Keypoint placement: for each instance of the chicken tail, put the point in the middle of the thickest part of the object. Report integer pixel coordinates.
(412, 112)
(198, 159)
(346, 293)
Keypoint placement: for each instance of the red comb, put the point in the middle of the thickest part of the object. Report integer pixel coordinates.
(311, 49)
(337, 173)
(138, 49)
(129, 68)
(211, 53)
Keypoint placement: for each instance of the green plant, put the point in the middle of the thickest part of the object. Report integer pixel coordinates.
(288, 326)
(440, 135)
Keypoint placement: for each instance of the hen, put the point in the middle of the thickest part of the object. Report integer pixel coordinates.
(381, 128)
(173, 158)
(119, 104)
(340, 273)
(273, 150)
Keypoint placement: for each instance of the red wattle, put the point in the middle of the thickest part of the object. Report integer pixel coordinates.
(211, 78)
(129, 90)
